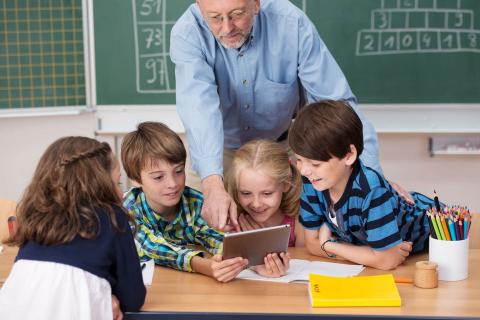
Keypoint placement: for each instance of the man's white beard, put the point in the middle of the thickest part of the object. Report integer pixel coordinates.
(235, 45)
(239, 43)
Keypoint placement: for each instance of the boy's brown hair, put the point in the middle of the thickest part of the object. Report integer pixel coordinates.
(326, 129)
(71, 182)
(152, 141)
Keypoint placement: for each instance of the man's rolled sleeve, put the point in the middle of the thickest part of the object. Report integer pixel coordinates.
(198, 104)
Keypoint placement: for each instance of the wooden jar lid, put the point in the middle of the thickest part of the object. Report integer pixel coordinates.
(426, 265)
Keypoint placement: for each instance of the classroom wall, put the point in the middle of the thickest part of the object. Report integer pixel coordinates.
(23, 140)
(405, 158)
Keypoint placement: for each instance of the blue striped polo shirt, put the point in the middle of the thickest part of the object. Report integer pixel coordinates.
(370, 212)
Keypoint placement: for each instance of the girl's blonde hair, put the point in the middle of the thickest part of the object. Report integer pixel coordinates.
(272, 159)
(71, 183)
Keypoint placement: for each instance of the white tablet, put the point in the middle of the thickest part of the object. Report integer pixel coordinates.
(254, 245)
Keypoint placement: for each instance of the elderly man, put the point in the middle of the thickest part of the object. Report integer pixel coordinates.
(243, 68)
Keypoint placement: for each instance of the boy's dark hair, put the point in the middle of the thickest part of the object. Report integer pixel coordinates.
(152, 141)
(326, 129)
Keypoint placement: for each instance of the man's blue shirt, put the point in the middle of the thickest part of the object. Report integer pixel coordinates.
(226, 97)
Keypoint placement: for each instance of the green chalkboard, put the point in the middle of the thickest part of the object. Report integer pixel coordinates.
(132, 50)
(404, 51)
(391, 51)
(41, 53)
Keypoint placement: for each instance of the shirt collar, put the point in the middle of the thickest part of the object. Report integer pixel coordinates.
(142, 202)
(348, 188)
(255, 34)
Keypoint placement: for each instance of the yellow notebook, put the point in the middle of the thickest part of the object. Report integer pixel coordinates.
(366, 291)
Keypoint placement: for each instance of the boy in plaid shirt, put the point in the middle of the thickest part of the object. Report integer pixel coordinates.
(166, 211)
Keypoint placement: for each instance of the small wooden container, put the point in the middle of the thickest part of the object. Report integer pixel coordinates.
(426, 274)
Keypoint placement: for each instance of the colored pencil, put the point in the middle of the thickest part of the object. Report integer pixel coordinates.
(434, 222)
(403, 280)
(436, 201)
(452, 230)
(450, 224)
(445, 229)
(440, 229)
(432, 230)
(460, 227)
(430, 225)
(457, 230)
(469, 224)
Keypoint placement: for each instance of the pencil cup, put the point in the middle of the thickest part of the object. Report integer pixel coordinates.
(451, 257)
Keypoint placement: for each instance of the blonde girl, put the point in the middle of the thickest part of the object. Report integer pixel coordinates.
(266, 188)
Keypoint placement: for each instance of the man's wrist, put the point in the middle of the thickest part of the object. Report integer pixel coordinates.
(213, 181)
(330, 255)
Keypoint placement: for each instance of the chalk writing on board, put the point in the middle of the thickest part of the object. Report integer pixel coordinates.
(416, 26)
(151, 30)
(154, 71)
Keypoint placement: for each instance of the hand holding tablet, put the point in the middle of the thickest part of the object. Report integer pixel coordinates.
(254, 245)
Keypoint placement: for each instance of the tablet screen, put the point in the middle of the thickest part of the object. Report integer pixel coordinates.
(254, 245)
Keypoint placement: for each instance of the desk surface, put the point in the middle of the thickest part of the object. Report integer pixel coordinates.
(175, 291)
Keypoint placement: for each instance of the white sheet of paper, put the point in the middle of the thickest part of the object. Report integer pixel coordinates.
(147, 272)
(300, 269)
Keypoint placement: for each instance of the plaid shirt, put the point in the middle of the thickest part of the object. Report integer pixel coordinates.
(166, 241)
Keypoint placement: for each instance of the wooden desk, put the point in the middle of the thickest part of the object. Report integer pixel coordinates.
(7, 256)
(177, 292)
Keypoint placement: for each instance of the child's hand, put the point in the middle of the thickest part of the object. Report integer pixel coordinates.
(227, 270)
(275, 266)
(117, 313)
(394, 256)
(324, 233)
(247, 223)
(402, 250)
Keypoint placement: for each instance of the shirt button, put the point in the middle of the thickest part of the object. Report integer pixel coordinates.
(240, 54)
(246, 128)
(247, 106)
(244, 82)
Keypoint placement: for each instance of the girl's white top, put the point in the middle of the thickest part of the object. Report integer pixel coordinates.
(48, 290)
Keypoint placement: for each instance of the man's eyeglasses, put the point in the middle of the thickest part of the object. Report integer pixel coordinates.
(234, 16)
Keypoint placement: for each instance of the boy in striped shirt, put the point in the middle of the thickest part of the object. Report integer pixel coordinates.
(350, 210)
(167, 212)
